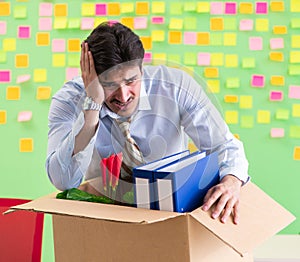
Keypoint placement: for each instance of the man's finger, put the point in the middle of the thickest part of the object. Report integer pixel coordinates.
(222, 202)
(211, 198)
(227, 210)
(236, 213)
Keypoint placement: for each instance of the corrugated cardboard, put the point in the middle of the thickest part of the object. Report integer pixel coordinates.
(97, 232)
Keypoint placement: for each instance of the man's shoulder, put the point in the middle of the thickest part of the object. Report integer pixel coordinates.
(71, 88)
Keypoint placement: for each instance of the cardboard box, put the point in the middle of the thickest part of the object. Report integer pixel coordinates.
(86, 231)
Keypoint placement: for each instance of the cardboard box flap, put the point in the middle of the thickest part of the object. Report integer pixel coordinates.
(260, 218)
(49, 204)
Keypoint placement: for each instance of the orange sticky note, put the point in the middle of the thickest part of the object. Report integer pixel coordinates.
(279, 29)
(5, 9)
(26, 145)
(147, 42)
(246, 8)
(113, 9)
(43, 92)
(21, 60)
(142, 8)
(42, 39)
(297, 153)
(277, 80)
(217, 24)
(277, 6)
(276, 56)
(128, 21)
(13, 93)
(60, 10)
(211, 72)
(203, 38)
(74, 45)
(175, 37)
(231, 98)
(2, 117)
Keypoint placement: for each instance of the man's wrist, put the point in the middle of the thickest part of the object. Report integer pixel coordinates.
(90, 104)
(233, 178)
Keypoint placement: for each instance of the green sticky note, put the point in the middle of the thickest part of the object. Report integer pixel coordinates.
(174, 58)
(190, 58)
(176, 8)
(247, 121)
(73, 60)
(230, 23)
(216, 39)
(248, 62)
(294, 70)
(295, 131)
(282, 114)
(233, 82)
(73, 23)
(20, 11)
(189, 6)
(190, 23)
(2, 56)
(295, 23)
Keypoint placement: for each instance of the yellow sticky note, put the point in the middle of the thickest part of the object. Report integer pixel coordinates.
(26, 145)
(277, 80)
(60, 10)
(231, 98)
(213, 86)
(277, 6)
(159, 58)
(142, 8)
(9, 44)
(176, 23)
(21, 61)
(74, 45)
(128, 21)
(203, 7)
(217, 59)
(297, 153)
(295, 6)
(276, 56)
(247, 121)
(229, 39)
(245, 102)
(279, 29)
(246, 8)
(39, 75)
(43, 92)
(295, 41)
(231, 60)
(87, 9)
(2, 117)
(296, 110)
(60, 23)
(158, 7)
(4, 8)
(42, 39)
(113, 9)
(99, 20)
(294, 57)
(263, 116)
(211, 72)
(147, 42)
(13, 93)
(216, 24)
(262, 25)
(58, 60)
(203, 38)
(231, 117)
(158, 35)
(127, 7)
(175, 37)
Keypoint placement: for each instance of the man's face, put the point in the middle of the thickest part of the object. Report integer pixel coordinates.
(122, 87)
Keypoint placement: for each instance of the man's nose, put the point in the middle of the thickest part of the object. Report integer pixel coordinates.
(123, 92)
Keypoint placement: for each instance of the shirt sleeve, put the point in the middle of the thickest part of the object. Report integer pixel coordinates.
(66, 119)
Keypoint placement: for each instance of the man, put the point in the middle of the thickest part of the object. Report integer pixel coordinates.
(164, 106)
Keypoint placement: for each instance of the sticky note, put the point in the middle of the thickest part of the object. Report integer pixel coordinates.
(101, 9)
(58, 60)
(58, 45)
(245, 102)
(20, 11)
(216, 23)
(203, 38)
(158, 7)
(39, 75)
(296, 110)
(261, 8)
(294, 92)
(22, 79)
(148, 57)
(60, 23)
(190, 58)
(276, 95)
(294, 70)
(190, 38)
(21, 60)
(159, 59)
(263, 116)
(295, 41)
(174, 59)
(176, 23)
(213, 86)
(231, 117)
(176, 8)
(71, 72)
(277, 6)
(73, 60)
(45, 9)
(26, 145)
(113, 9)
(246, 25)
(276, 43)
(255, 43)
(9, 44)
(2, 117)
(295, 131)
(262, 25)
(5, 76)
(282, 114)
(232, 82)
(295, 23)
(247, 121)
(246, 8)
(142, 8)
(189, 6)
(24, 116)
(45, 24)
(230, 23)
(231, 60)
(296, 153)
(279, 29)
(74, 45)
(276, 56)
(43, 92)
(24, 32)
(216, 39)
(4, 8)
(158, 35)
(175, 37)
(140, 23)
(230, 8)
(128, 21)
(231, 98)
(258, 81)
(295, 6)
(3, 57)
(74, 23)
(60, 10)
(211, 72)
(147, 42)
(127, 7)
(277, 80)
(87, 23)
(158, 20)
(217, 59)
(87, 9)
(3, 27)
(294, 57)
(203, 59)
(13, 93)
(229, 39)
(203, 7)
(277, 132)
(42, 39)
(216, 8)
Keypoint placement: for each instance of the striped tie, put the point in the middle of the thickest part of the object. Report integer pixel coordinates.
(132, 155)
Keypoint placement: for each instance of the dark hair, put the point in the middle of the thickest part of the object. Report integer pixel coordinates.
(112, 44)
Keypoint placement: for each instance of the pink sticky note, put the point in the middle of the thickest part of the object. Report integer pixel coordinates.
(87, 23)
(230, 8)
(45, 9)
(294, 92)
(24, 32)
(157, 20)
(23, 78)
(148, 57)
(255, 43)
(45, 24)
(276, 43)
(277, 132)
(24, 116)
(261, 8)
(216, 8)
(276, 96)
(204, 59)
(3, 27)
(258, 81)
(246, 25)
(190, 38)
(101, 9)
(71, 72)
(140, 23)
(58, 45)
(4, 76)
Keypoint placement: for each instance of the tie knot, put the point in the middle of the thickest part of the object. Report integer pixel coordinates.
(124, 127)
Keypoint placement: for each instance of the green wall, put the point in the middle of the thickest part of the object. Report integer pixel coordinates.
(274, 161)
